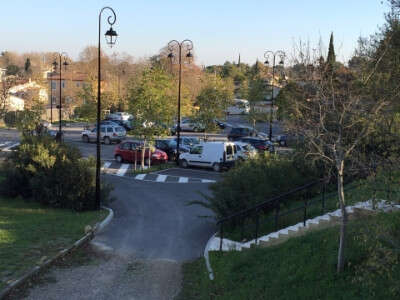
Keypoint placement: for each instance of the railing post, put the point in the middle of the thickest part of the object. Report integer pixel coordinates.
(305, 210)
(277, 208)
(221, 233)
(242, 229)
(323, 197)
(257, 225)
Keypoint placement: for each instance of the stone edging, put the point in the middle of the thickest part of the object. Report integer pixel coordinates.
(47, 263)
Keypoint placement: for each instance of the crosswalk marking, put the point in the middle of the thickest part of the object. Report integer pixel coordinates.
(10, 147)
(106, 165)
(161, 178)
(140, 176)
(183, 180)
(122, 170)
(207, 181)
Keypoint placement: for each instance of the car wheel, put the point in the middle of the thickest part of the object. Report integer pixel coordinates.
(217, 167)
(183, 163)
(119, 158)
(107, 141)
(85, 139)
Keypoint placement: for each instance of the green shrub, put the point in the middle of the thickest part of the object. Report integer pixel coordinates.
(52, 174)
(10, 119)
(255, 181)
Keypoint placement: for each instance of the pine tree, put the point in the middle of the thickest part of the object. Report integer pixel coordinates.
(28, 65)
(331, 59)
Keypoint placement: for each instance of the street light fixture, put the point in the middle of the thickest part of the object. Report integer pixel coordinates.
(111, 38)
(268, 55)
(189, 47)
(62, 58)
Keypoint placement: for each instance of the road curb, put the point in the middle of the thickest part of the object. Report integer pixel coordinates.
(100, 227)
(47, 263)
(207, 258)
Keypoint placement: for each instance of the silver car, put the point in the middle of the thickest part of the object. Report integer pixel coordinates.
(108, 134)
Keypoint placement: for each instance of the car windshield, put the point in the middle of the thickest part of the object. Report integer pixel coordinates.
(119, 129)
(171, 143)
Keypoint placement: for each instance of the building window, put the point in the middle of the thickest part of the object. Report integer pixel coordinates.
(63, 84)
(78, 84)
(53, 85)
(53, 99)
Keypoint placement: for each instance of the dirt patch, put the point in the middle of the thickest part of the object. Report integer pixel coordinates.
(89, 274)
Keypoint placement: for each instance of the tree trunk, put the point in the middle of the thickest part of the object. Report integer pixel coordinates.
(143, 154)
(343, 224)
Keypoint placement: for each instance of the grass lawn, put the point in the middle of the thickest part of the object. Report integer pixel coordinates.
(301, 268)
(29, 232)
(354, 192)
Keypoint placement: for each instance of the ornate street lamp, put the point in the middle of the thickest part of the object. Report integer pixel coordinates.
(189, 47)
(62, 58)
(111, 38)
(268, 55)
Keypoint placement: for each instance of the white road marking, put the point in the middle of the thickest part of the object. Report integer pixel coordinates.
(207, 181)
(122, 170)
(11, 146)
(140, 176)
(183, 180)
(106, 165)
(161, 178)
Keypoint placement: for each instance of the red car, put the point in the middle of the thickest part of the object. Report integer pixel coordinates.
(130, 150)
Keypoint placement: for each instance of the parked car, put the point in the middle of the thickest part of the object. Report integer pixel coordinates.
(220, 124)
(245, 151)
(260, 144)
(170, 147)
(239, 106)
(108, 134)
(127, 124)
(122, 116)
(281, 140)
(189, 125)
(129, 151)
(242, 131)
(187, 141)
(215, 155)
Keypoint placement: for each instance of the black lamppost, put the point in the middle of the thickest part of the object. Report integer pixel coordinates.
(268, 55)
(111, 37)
(189, 47)
(62, 58)
(51, 97)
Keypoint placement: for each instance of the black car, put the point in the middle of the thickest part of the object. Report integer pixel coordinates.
(239, 132)
(260, 144)
(169, 146)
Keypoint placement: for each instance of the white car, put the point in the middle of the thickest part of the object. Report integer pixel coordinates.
(215, 155)
(122, 116)
(108, 134)
(245, 151)
(240, 106)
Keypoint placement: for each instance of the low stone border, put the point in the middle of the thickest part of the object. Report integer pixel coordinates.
(207, 257)
(47, 263)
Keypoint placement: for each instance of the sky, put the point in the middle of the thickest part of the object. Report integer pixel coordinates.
(219, 29)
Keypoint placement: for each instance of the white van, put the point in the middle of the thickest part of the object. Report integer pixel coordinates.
(240, 106)
(215, 155)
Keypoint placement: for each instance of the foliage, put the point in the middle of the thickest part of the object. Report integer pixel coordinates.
(331, 58)
(256, 180)
(152, 102)
(12, 70)
(10, 119)
(29, 120)
(213, 100)
(27, 66)
(301, 268)
(52, 174)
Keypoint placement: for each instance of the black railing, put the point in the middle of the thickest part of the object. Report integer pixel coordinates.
(273, 205)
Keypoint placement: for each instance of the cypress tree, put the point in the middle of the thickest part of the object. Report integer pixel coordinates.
(331, 59)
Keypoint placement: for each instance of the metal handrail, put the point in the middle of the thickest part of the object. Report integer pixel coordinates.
(276, 200)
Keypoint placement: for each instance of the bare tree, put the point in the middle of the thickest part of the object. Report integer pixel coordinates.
(334, 114)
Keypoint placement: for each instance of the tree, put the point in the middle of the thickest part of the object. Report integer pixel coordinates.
(213, 100)
(12, 70)
(334, 114)
(27, 67)
(6, 84)
(331, 59)
(152, 102)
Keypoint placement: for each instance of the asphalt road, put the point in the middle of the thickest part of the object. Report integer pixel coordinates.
(153, 221)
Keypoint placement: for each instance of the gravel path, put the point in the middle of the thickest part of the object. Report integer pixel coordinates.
(111, 277)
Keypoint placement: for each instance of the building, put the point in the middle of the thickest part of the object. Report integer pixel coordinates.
(71, 85)
(2, 74)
